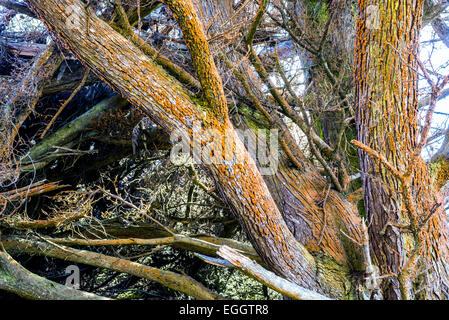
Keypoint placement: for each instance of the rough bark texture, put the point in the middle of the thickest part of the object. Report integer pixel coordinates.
(318, 217)
(170, 279)
(128, 70)
(16, 279)
(302, 229)
(386, 101)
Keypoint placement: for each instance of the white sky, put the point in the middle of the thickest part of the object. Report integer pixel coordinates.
(439, 54)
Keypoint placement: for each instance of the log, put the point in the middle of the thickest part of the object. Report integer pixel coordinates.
(73, 129)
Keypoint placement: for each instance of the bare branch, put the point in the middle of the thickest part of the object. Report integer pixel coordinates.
(170, 279)
(16, 279)
(266, 277)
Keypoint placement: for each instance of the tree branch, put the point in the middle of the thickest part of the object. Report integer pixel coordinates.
(19, 7)
(170, 279)
(16, 279)
(266, 277)
(203, 61)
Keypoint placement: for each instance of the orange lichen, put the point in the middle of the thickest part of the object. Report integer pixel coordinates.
(387, 120)
(127, 69)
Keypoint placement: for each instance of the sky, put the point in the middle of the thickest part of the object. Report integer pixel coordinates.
(439, 59)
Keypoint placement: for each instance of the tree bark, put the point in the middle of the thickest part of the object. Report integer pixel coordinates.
(398, 190)
(16, 279)
(170, 279)
(129, 71)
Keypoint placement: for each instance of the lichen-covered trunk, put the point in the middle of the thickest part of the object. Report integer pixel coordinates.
(409, 251)
(319, 218)
(142, 82)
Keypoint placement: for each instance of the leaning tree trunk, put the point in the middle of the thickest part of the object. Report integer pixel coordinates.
(319, 218)
(124, 66)
(407, 223)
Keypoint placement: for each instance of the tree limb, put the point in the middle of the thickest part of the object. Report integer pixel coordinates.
(266, 277)
(16, 279)
(170, 279)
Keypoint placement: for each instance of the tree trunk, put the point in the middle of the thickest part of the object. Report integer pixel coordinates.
(136, 77)
(399, 195)
(319, 218)
(302, 230)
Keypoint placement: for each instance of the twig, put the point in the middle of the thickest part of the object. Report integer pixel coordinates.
(62, 107)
